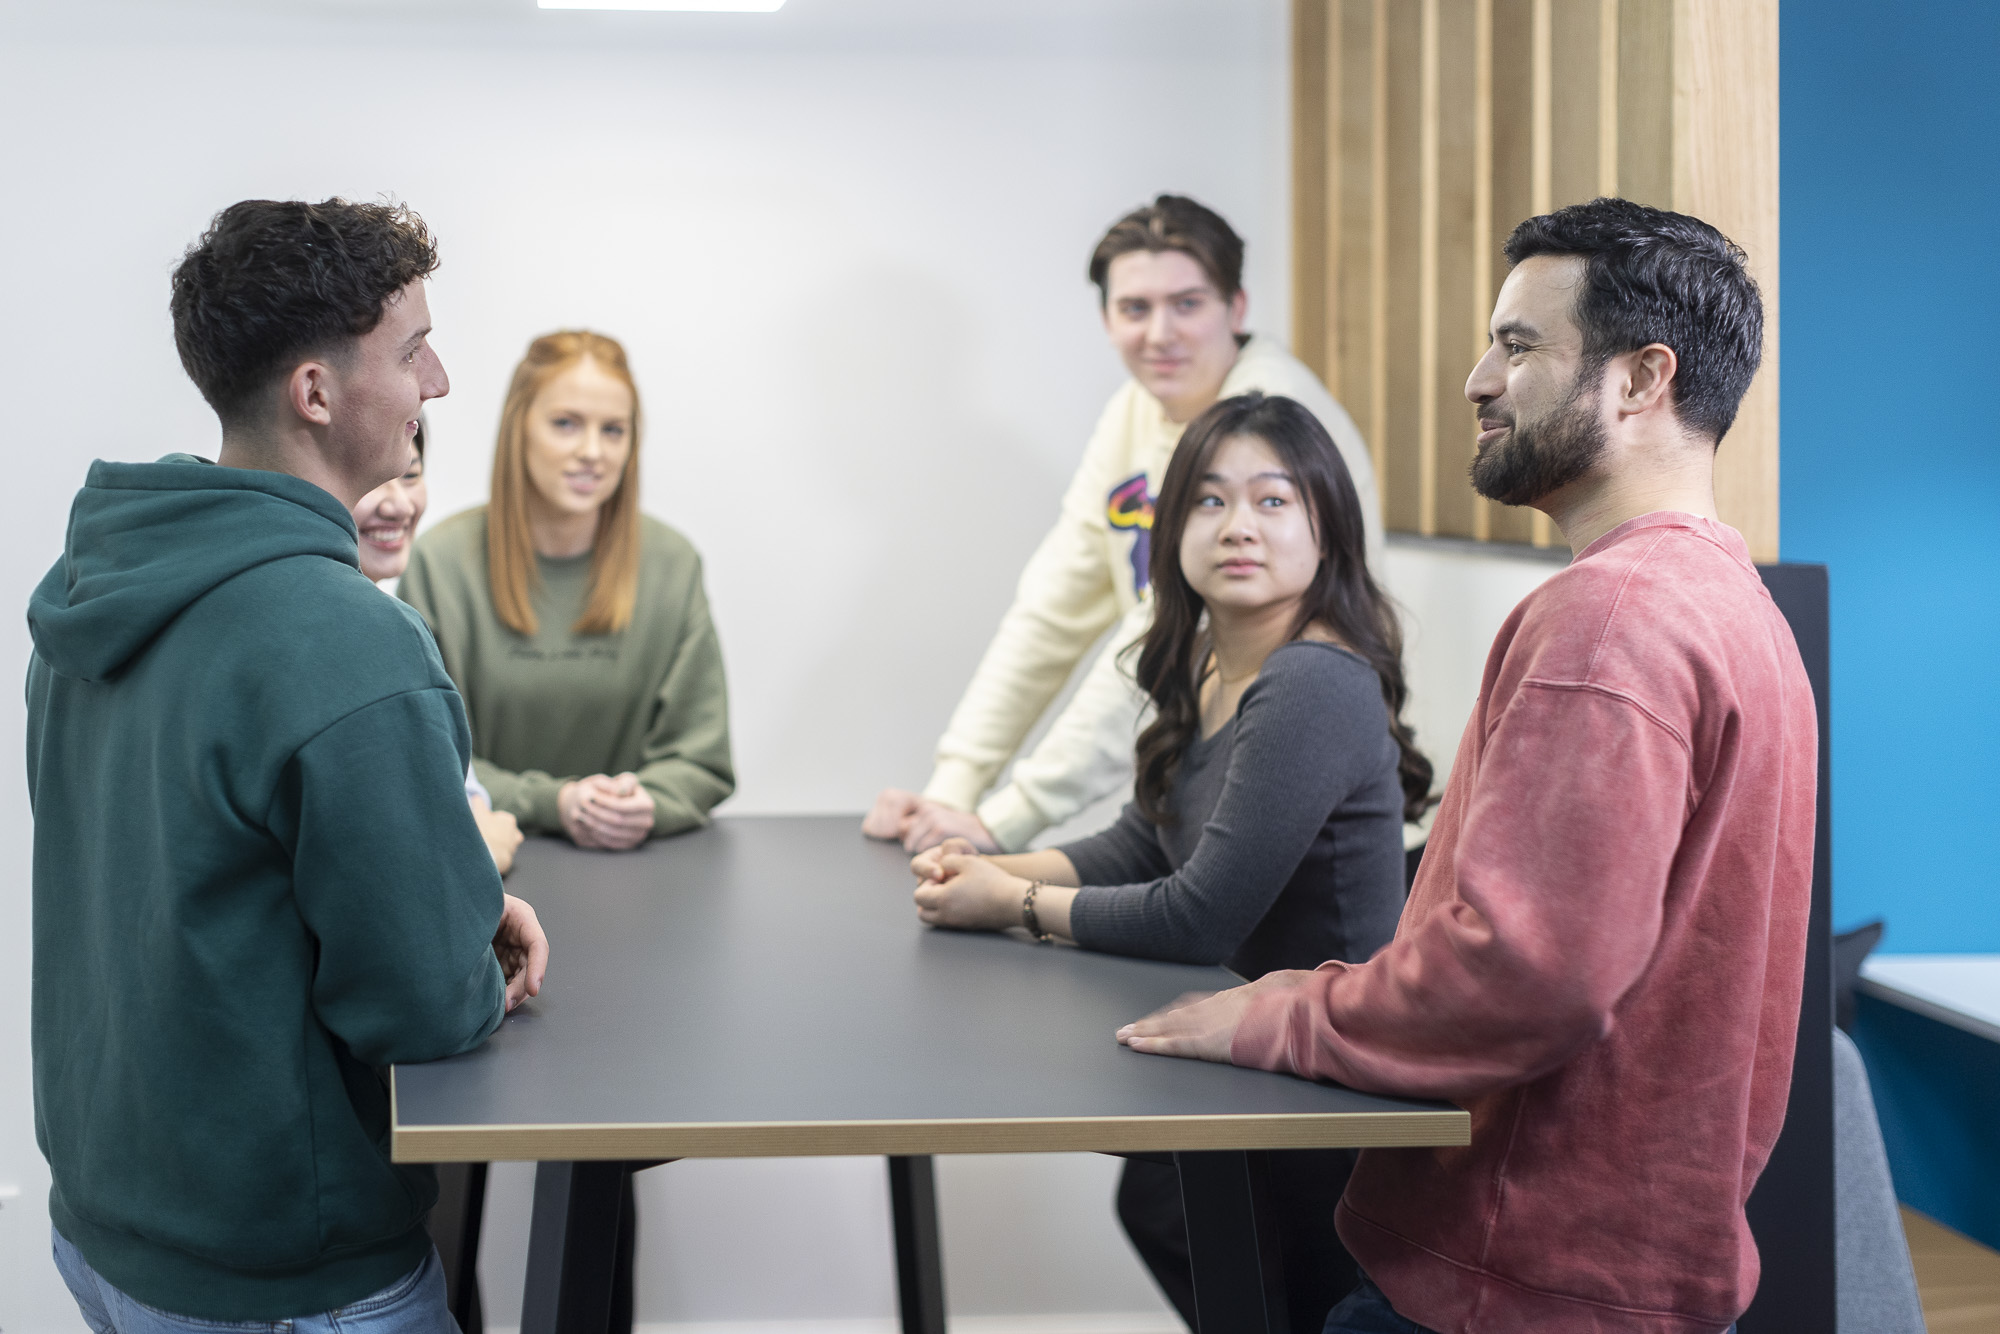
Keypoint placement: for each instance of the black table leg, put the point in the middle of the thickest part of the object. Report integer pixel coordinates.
(1239, 1277)
(572, 1244)
(455, 1226)
(919, 1259)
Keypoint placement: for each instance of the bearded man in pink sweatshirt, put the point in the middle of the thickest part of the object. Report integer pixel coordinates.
(1602, 957)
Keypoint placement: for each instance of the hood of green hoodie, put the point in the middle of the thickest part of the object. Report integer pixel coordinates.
(147, 539)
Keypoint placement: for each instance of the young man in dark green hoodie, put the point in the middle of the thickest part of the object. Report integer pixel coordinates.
(256, 879)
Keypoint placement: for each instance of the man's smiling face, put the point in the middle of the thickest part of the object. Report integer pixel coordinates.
(1539, 399)
(384, 378)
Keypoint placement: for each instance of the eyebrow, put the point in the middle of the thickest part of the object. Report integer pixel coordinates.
(1254, 477)
(417, 337)
(1520, 327)
(1173, 296)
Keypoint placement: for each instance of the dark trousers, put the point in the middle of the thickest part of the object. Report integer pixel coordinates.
(1366, 1310)
(454, 1226)
(1305, 1186)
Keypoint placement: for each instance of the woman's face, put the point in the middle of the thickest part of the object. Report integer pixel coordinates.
(1249, 543)
(386, 520)
(579, 439)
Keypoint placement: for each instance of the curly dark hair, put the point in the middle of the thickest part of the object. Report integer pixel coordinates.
(1652, 276)
(1174, 222)
(1174, 655)
(271, 280)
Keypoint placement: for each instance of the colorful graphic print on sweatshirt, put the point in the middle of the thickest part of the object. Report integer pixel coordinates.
(1130, 506)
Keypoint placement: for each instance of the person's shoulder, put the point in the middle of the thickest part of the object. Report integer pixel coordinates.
(1647, 570)
(1314, 675)
(1655, 609)
(1119, 422)
(455, 540)
(663, 544)
(324, 630)
(1267, 366)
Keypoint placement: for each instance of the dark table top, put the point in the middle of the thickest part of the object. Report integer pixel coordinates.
(763, 987)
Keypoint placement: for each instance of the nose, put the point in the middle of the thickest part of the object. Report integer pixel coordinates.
(433, 383)
(1240, 525)
(1488, 379)
(395, 502)
(1160, 325)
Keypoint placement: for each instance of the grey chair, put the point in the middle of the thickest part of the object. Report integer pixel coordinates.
(1876, 1287)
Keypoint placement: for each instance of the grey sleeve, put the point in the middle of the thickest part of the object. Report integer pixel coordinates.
(1127, 849)
(1308, 732)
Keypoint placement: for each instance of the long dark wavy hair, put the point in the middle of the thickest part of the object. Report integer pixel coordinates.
(1175, 658)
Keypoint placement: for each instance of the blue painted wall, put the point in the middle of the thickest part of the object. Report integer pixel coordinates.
(1890, 264)
(1890, 402)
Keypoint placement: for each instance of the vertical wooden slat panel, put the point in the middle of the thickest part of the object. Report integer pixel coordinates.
(1427, 279)
(1332, 238)
(1378, 238)
(1646, 101)
(1482, 216)
(1607, 97)
(1426, 129)
(1459, 236)
(1574, 60)
(1402, 344)
(1514, 158)
(1542, 181)
(1310, 268)
(1356, 352)
(1726, 173)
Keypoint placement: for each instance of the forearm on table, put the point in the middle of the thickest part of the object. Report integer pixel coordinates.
(1560, 874)
(1052, 899)
(529, 795)
(683, 794)
(1049, 865)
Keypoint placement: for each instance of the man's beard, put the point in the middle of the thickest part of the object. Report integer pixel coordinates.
(1533, 459)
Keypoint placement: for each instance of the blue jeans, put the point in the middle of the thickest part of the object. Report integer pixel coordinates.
(413, 1304)
(1367, 1311)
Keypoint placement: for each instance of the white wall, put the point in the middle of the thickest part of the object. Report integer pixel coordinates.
(1454, 597)
(844, 245)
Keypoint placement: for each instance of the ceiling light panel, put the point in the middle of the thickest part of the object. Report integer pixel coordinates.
(682, 6)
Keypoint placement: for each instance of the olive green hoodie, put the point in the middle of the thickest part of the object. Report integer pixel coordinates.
(256, 881)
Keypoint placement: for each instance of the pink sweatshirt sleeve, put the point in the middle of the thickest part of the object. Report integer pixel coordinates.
(1568, 834)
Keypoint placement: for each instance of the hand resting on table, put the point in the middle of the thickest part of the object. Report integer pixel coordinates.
(919, 823)
(606, 812)
(522, 948)
(1203, 1026)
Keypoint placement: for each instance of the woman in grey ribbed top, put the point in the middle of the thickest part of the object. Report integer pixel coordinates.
(1286, 847)
(1265, 829)
(1266, 826)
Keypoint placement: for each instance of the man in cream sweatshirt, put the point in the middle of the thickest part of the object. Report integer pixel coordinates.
(1170, 280)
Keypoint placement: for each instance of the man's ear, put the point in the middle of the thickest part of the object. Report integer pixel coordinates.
(309, 392)
(1648, 379)
(1239, 306)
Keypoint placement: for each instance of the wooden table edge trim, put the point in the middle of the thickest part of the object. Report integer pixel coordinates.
(779, 1139)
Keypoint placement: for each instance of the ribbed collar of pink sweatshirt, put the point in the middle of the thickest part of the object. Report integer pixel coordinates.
(1601, 959)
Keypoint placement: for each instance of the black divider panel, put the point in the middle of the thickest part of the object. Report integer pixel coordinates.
(1791, 1210)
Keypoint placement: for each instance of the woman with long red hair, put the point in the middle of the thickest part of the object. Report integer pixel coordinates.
(577, 628)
